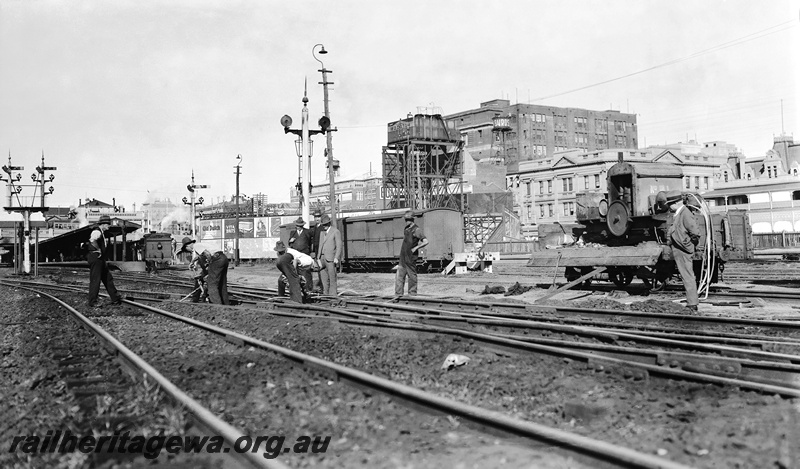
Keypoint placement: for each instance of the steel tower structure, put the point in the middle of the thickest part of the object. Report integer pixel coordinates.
(422, 166)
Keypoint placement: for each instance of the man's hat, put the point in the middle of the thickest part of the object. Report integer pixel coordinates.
(691, 200)
(317, 212)
(185, 242)
(279, 247)
(326, 220)
(104, 220)
(409, 215)
(300, 221)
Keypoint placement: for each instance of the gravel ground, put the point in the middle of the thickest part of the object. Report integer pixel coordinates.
(704, 426)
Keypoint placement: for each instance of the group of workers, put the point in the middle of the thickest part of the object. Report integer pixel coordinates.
(317, 249)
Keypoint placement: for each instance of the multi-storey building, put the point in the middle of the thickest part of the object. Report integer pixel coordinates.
(545, 190)
(768, 187)
(527, 132)
(354, 193)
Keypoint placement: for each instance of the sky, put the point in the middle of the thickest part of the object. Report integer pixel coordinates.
(128, 98)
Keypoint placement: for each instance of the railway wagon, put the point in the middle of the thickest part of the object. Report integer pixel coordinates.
(157, 250)
(624, 234)
(372, 242)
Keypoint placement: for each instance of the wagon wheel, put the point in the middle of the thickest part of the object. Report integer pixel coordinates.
(621, 277)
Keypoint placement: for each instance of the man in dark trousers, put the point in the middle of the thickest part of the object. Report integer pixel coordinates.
(290, 262)
(413, 240)
(301, 239)
(317, 229)
(217, 266)
(328, 254)
(98, 269)
(685, 235)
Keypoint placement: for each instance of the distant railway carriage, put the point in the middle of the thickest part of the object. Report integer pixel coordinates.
(157, 250)
(626, 232)
(372, 242)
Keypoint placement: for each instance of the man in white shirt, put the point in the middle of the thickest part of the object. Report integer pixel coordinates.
(217, 265)
(292, 263)
(98, 269)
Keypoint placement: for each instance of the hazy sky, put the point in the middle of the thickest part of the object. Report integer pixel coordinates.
(130, 96)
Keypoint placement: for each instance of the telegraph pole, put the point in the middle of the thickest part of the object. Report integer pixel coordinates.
(236, 240)
(329, 136)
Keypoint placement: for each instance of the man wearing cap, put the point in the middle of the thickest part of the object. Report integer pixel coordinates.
(217, 265)
(413, 240)
(328, 254)
(291, 262)
(301, 240)
(317, 229)
(685, 235)
(98, 269)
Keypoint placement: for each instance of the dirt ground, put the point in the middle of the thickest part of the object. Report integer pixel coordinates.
(699, 425)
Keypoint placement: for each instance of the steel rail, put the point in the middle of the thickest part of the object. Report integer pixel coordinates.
(603, 333)
(494, 306)
(576, 443)
(707, 368)
(228, 432)
(674, 332)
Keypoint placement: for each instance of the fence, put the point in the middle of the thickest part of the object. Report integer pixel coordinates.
(787, 239)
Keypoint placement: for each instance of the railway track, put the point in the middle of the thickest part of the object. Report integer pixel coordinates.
(654, 356)
(584, 447)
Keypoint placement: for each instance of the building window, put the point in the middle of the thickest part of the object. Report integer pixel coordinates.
(619, 127)
(550, 209)
(480, 135)
(688, 182)
(586, 182)
(566, 184)
(525, 134)
(549, 186)
(541, 187)
(705, 182)
(529, 211)
(726, 176)
(528, 187)
(541, 211)
(597, 181)
(566, 208)
(769, 172)
(697, 182)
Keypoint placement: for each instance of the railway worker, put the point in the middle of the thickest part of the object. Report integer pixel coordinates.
(328, 254)
(413, 240)
(317, 229)
(217, 266)
(98, 268)
(685, 235)
(292, 263)
(302, 240)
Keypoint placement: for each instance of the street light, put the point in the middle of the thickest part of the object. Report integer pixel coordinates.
(236, 240)
(329, 148)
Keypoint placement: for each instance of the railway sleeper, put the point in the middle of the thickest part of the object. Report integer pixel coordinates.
(705, 362)
(627, 371)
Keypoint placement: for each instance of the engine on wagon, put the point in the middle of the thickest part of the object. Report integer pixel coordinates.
(623, 234)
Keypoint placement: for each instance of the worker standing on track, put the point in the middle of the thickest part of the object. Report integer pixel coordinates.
(98, 269)
(685, 235)
(317, 230)
(413, 240)
(292, 264)
(302, 240)
(328, 254)
(217, 266)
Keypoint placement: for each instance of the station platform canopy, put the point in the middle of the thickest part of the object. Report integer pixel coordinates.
(68, 242)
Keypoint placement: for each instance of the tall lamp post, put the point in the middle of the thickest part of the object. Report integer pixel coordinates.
(236, 240)
(329, 147)
(304, 151)
(192, 187)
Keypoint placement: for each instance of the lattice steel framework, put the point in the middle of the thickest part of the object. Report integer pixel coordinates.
(420, 174)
